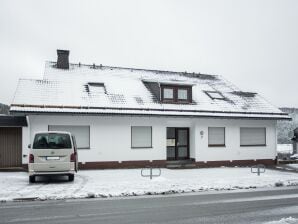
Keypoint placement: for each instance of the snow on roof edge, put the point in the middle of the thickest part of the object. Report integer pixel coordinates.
(28, 110)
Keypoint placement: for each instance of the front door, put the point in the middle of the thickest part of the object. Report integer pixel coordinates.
(177, 143)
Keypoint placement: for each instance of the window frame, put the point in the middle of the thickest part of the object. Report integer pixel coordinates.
(91, 88)
(175, 98)
(89, 141)
(254, 145)
(168, 87)
(187, 94)
(217, 145)
(209, 93)
(142, 147)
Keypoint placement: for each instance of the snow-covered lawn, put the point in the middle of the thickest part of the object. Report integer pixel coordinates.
(293, 166)
(285, 148)
(128, 182)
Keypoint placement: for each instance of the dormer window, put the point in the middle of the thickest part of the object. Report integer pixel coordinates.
(176, 94)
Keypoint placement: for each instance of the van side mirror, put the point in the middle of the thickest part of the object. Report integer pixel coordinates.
(29, 146)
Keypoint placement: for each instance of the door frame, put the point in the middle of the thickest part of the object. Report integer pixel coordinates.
(177, 147)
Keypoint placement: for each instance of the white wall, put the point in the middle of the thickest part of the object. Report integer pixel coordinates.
(110, 137)
(25, 142)
(233, 151)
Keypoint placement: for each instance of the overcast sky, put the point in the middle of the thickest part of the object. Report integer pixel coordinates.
(253, 43)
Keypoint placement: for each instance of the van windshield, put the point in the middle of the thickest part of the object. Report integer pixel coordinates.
(52, 141)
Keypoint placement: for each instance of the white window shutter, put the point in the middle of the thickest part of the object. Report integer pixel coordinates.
(252, 136)
(216, 136)
(141, 137)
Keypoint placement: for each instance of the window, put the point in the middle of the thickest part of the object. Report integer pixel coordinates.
(52, 141)
(215, 95)
(176, 94)
(168, 93)
(81, 133)
(216, 136)
(252, 136)
(96, 88)
(141, 137)
(182, 94)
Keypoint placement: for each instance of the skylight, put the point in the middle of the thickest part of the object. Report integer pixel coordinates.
(215, 95)
(96, 88)
(244, 94)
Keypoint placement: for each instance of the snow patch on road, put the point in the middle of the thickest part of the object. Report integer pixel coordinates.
(128, 182)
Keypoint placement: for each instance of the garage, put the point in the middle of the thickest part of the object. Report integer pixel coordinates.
(11, 141)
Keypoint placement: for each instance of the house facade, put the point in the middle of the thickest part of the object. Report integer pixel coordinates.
(124, 117)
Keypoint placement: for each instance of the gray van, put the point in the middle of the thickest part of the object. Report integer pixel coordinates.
(53, 153)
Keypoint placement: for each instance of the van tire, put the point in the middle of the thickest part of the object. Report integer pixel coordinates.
(71, 177)
(31, 179)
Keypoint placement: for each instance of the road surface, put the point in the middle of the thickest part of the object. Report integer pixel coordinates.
(254, 206)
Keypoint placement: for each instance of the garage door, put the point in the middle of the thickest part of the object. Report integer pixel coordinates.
(10, 147)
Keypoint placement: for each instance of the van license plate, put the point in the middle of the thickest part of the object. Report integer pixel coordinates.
(53, 158)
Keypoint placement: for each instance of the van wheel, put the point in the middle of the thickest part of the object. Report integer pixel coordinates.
(31, 179)
(71, 177)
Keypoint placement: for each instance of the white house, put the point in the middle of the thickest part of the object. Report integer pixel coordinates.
(126, 117)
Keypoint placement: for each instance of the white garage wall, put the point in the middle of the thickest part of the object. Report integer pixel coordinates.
(110, 137)
(25, 143)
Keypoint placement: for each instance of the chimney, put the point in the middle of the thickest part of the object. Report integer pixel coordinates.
(62, 60)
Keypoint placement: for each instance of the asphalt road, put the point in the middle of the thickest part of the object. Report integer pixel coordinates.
(255, 206)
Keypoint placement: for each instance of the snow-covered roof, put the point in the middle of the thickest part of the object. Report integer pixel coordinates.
(114, 90)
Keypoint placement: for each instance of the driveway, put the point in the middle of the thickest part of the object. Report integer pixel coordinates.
(129, 182)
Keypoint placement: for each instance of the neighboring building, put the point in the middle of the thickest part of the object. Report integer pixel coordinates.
(284, 151)
(295, 141)
(4, 109)
(125, 117)
(285, 128)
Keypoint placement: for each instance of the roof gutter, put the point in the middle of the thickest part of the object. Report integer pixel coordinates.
(148, 115)
(142, 109)
(134, 112)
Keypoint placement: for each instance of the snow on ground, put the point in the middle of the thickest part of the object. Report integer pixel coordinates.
(285, 148)
(295, 156)
(128, 182)
(288, 220)
(293, 166)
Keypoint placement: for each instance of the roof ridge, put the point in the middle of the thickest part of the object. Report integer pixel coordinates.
(100, 66)
(40, 80)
